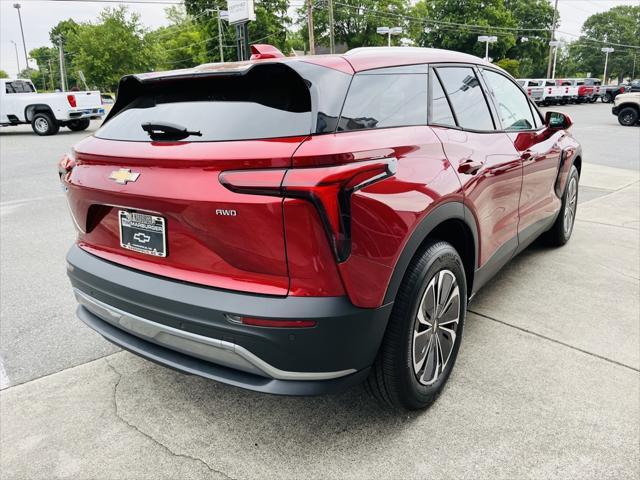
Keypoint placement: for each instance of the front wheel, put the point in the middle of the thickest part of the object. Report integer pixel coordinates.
(424, 332)
(628, 117)
(44, 124)
(560, 232)
(79, 125)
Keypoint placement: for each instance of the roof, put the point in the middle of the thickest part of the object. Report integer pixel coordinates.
(356, 60)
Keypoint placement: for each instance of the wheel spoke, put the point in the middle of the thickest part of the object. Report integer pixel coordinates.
(451, 311)
(445, 283)
(432, 364)
(446, 340)
(427, 308)
(421, 345)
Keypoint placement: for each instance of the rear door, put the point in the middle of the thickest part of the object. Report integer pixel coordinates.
(132, 190)
(487, 163)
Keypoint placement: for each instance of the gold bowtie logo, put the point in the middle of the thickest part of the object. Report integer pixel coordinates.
(124, 175)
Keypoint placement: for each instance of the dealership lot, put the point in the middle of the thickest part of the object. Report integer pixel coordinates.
(547, 383)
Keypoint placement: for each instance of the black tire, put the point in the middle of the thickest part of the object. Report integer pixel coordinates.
(628, 116)
(79, 125)
(607, 98)
(560, 232)
(593, 99)
(44, 124)
(393, 379)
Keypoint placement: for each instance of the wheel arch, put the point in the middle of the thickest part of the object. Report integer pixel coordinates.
(31, 110)
(633, 105)
(452, 222)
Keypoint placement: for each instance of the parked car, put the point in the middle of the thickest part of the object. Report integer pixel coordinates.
(627, 108)
(611, 92)
(46, 112)
(596, 83)
(299, 225)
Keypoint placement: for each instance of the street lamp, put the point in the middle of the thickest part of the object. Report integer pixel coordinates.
(606, 51)
(487, 39)
(24, 45)
(555, 44)
(15, 45)
(389, 31)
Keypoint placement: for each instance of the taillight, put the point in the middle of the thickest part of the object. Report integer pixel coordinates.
(66, 164)
(72, 100)
(328, 188)
(271, 322)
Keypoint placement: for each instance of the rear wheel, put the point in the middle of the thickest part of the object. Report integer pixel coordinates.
(607, 98)
(44, 124)
(422, 339)
(628, 116)
(78, 125)
(560, 232)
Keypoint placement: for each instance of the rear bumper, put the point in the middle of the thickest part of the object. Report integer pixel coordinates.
(183, 326)
(91, 113)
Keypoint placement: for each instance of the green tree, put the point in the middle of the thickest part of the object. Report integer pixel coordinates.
(618, 25)
(111, 48)
(356, 21)
(510, 65)
(3, 74)
(271, 25)
(64, 30)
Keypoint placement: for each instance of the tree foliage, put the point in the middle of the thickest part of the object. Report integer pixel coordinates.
(618, 25)
(3, 74)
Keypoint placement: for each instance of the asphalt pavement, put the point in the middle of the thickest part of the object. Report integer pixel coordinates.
(547, 383)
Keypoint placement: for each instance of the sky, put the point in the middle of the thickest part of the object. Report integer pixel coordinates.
(40, 16)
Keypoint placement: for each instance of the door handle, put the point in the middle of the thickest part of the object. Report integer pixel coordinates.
(469, 166)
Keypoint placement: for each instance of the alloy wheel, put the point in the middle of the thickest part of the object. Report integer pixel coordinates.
(570, 208)
(435, 327)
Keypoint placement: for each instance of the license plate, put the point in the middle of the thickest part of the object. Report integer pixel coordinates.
(143, 233)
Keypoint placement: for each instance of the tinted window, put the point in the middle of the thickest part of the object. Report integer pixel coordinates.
(269, 101)
(440, 109)
(466, 97)
(385, 100)
(512, 103)
(19, 86)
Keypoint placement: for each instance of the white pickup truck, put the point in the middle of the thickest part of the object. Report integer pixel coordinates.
(46, 112)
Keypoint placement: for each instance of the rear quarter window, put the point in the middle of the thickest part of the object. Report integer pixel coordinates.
(380, 99)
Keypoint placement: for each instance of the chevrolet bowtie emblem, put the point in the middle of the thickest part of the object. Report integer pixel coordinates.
(124, 175)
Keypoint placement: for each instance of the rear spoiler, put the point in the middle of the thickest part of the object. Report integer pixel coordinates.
(133, 86)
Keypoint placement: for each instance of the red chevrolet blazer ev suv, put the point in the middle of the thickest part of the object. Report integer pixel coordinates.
(298, 225)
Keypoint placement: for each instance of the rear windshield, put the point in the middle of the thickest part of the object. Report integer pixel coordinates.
(19, 86)
(268, 101)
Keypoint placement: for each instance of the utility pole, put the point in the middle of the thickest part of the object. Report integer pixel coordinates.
(24, 45)
(51, 75)
(553, 38)
(606, 51)
(220, 34)
(312, 42)
(332, 42)
(63, 74)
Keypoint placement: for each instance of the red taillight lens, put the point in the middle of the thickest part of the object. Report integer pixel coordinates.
(328, 188)
(72, 100)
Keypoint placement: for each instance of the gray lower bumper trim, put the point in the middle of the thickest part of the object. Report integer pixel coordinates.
(210, 349)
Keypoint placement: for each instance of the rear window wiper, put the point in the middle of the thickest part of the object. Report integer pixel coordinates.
(168, 131)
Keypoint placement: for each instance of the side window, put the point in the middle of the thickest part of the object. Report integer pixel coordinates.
(466, 97)
(440, 109)
(9, 87)
(381, 100)
(513, 105)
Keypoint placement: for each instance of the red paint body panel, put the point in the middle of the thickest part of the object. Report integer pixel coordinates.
(179, 181)
(384, 214)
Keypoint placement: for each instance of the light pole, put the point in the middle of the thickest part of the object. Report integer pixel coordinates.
(554, 44)
(606, 51)
(487, 39)
(15, 45)
(388, 32)
(24, 45)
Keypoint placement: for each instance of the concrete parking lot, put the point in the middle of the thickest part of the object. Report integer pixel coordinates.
(547, 383)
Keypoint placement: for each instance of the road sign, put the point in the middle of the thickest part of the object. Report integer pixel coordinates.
(240, 11)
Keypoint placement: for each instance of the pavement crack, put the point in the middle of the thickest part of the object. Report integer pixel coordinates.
(544, 337)
(150, 437)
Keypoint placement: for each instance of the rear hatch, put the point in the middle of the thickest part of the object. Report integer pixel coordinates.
(147, 195)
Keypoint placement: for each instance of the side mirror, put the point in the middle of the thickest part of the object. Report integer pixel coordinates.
(557, 121)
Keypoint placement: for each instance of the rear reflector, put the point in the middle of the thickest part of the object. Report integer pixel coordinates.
(328, 188)
(271, 322)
